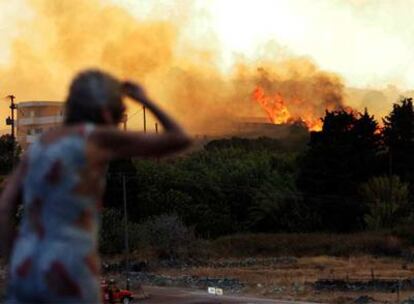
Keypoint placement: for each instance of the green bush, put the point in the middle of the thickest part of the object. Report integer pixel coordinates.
(309, 244)
(387, 200)
(220, 191)
(112, 233)
(167, 235)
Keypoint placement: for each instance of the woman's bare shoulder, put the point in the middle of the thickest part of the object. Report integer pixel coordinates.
(53, 135)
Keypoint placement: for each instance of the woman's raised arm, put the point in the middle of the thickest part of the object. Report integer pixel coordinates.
(126, 144)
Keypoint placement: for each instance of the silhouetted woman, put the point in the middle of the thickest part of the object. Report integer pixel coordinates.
(60, 181)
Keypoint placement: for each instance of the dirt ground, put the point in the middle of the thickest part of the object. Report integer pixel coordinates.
(159, 295)
(295, 281)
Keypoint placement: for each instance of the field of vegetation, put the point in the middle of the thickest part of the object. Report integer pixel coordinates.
(354, 175)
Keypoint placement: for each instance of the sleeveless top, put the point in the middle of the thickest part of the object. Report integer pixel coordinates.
(55, 256)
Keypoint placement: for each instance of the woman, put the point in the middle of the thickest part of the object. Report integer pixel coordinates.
(61, 181)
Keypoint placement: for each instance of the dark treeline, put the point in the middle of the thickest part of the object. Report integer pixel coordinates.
(353, 175)
(9, 154)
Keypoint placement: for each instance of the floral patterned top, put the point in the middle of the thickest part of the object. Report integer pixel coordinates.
(55, 256)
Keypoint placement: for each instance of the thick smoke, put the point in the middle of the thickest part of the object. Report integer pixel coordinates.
(66, 36)
(306, 90)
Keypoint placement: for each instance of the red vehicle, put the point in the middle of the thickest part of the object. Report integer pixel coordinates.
(113, 294)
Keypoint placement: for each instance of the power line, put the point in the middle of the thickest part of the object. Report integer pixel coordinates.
(135, 113)
(126, 243)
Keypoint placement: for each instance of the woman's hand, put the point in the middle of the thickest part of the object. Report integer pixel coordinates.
(136, 92)
(126, 144)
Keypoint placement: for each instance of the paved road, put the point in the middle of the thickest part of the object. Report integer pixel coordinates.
(170, 295)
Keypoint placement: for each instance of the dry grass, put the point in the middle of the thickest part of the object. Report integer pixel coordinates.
(309, 244)
(294, 281)
(349, 257)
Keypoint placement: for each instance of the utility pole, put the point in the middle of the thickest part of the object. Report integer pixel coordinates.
(126, 231)
(10, 121)
(124, 121)
(145, 119)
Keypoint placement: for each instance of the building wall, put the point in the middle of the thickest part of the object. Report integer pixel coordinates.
(34, 118)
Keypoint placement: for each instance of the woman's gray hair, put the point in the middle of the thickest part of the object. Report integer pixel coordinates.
(90, 92)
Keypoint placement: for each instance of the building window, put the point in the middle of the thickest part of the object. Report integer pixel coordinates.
(38, 131)
(29, 131)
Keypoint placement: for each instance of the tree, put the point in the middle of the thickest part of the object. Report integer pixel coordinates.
(9, 153)
(339, 158)
(213, 190)
(113, 197)
(112, 232)
(278, 206)
(387, 199)
(398, 136)
(167, 234)
(325, 166)
(367, 143)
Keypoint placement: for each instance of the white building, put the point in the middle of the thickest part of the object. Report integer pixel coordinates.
(35, 117)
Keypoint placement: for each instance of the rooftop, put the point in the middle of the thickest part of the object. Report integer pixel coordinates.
(28, 104)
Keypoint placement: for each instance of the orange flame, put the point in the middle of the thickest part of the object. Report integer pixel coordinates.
(276, 109)
(273, 105)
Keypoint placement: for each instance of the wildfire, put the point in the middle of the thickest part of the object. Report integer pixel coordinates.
(278, 112)
(59, 50)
